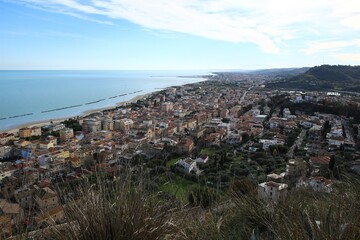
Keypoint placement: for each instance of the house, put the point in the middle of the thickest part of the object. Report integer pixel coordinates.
(234, 139)
(202, 159)
(124, 124)
(75, 162)
(24, 196)
(295, 168)
(315, 133)
(50, 217)
(35, 131)
(318, 184)
(188, 164)
(319, 162)
(66, 134)
(286, 112)
(272, 191)
(198, 133)
(6, 137)
(266, 143)
(10, 214)
(185, 146)
(278, 178)
(24, 132)
(46, 199)
(6, 151)
(7, 186)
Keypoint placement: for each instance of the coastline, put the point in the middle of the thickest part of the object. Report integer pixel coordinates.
(15, 129)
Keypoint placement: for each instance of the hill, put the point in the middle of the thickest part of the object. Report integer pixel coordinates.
(280, 71)
(323, 78)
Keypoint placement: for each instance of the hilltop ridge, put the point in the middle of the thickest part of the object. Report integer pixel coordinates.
(323, 78)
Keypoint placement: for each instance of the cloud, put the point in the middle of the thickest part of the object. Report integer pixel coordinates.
(329, 46)
(349, 57)
(267, 23)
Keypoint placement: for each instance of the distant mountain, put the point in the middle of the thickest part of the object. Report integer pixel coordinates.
(323, 78)
(280, 71)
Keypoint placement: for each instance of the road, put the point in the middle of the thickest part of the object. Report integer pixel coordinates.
(244, 95)
(297, 143)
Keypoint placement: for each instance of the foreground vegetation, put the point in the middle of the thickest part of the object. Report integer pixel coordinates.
(129, 207)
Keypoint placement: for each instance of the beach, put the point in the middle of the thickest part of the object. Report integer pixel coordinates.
(15, 130)
(30, 97)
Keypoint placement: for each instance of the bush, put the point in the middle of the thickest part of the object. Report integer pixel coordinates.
(203, 197)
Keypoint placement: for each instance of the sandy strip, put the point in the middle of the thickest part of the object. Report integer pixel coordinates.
(15, 130)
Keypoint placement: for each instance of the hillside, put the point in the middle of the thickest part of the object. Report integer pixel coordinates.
(281, 71)
(323, 78)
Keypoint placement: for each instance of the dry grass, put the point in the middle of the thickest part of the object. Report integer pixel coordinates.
(119, 209)
(127, 209)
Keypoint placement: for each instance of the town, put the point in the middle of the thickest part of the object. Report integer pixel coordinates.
(216, 134)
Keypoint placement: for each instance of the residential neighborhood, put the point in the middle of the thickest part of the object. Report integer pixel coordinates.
(210, 133)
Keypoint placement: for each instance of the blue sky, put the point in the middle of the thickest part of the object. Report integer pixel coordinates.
(178, 34)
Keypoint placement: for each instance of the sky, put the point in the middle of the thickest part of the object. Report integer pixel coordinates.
(178, 34)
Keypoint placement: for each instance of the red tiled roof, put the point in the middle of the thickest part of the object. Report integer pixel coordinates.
(272, 184)
(322, 160)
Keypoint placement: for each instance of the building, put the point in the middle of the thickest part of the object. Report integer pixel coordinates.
(318, 184)
(278, 178)
(6, 137)
(315, 133)
(167, 106)
(272, 191)
(107, 124)
(6, 151)
(266, 143)
(56, 127)
(188, 164)
(66, 134)
(46, 199)
(24, 196)
(125, 125)
(185, 146)
(106, 135)
(202, 159)
(90, 125)
(295, 168)
(51, 217)
(10, 215)
(36, 131)
(24, 132)
(286, 113)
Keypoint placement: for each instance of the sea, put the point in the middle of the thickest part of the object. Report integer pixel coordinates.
(33, 96)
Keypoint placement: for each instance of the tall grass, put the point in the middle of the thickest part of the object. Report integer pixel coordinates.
(129, 208)
(123, 208)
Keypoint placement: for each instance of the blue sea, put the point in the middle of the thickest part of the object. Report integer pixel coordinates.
(31, 96)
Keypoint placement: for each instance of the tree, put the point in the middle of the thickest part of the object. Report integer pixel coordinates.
(332, 163)
(203, 197)
(245, 137)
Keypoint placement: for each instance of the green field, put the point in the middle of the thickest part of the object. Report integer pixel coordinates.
(172, 161)
(179, 187)
(208, 151)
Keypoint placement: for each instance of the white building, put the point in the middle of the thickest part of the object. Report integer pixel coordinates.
(272, 191)
(286, 112)
(266, 143)
(188, 164)
(318, 184)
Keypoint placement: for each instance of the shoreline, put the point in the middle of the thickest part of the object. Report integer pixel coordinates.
(15, 129)
(84, 114)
